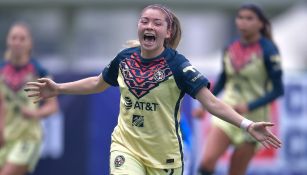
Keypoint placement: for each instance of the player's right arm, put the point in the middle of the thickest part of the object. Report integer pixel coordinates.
(45, 88)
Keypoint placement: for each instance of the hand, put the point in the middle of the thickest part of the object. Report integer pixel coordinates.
(42, 89)
(261, 133)
(241, 108)
(30, 113)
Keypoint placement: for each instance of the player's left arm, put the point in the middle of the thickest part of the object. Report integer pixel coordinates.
(191, 81)
(259, 130)
(273, 67)
(218, 108)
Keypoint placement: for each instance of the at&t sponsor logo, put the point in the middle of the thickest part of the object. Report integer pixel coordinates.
(141, 105)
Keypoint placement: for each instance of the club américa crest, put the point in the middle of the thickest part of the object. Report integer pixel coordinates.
(159, 75)
(119, 161)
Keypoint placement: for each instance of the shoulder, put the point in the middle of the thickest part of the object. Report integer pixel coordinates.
(127, 52)
(35, 63)
(268, 45)
(42, 72)
(174, 58)
(179, 64)
(123, 54)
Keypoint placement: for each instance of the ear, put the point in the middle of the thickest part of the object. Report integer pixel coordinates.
(168, 33)
(261, 25)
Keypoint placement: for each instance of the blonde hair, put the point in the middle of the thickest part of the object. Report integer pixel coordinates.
(132, 43)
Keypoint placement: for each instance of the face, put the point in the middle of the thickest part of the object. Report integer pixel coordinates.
(152, 30)
(248, 23)
(19, 41)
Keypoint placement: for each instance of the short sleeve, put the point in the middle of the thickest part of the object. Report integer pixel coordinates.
(110, 73)
(190, 80)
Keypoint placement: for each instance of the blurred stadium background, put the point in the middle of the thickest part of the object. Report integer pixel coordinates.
(77, 38)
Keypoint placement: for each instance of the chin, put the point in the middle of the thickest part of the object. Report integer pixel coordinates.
(149, 48)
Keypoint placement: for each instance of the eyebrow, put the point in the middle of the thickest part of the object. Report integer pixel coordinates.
(155, 19)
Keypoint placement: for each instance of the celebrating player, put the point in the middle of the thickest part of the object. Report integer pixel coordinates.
(152, 79)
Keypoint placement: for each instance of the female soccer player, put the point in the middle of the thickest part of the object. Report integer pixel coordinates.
(152, 79)
(252, 79)
(20, 130)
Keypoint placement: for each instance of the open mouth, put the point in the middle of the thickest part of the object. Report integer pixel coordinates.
(149, 38)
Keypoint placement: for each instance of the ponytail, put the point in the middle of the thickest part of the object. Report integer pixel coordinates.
(132, 43)
(175, 38)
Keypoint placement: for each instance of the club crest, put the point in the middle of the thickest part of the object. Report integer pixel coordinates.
(119, 161)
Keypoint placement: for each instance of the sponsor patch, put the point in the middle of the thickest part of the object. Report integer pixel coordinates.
(128, 103)
(138, 120)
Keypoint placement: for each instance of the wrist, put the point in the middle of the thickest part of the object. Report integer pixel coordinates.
(58, 88)
(245, 124)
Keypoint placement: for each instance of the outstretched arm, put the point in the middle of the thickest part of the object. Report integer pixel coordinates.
(258, 130)
(45, 88)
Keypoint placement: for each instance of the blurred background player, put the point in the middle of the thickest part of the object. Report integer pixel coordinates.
(147, 139)
(20, 132)
(251, 79)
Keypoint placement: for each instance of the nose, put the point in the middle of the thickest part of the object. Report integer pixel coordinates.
(241, 24)
(149, 25)
(16, 41)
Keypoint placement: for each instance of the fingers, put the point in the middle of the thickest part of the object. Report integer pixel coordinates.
(270, 143)
(34, 95)
(37, 100)
(272, 140)
(40, 82)
(31, 88)
(266, 144)
(273, 143)
(44, 80)
(273, 137)
(268, 124)
(266, 137)
(35, 84)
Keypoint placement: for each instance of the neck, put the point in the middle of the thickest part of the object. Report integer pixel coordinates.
(19, 61)
(251, 39)
(151, 54)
